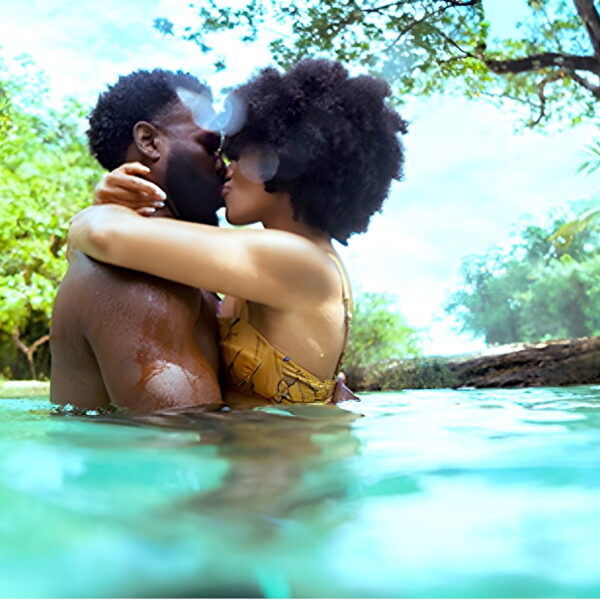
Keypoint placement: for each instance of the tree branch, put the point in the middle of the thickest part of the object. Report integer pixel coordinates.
(28, 351)
(38, 343)
(413, 24)
(449, 4)
(449, 40)
(16, 338)
(541, 92)
(583, 82)
(540, 61)
(377, 9)
(460, 3)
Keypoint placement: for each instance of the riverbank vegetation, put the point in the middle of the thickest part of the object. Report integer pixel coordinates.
(46, 175)
(378, 333)
(544, 285)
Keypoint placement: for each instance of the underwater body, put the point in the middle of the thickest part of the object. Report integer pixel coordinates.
(432, 493)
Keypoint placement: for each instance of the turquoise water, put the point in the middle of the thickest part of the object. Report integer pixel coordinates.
(432, 493)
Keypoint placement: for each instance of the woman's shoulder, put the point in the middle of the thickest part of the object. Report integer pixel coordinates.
(287, 242)
(297, 262)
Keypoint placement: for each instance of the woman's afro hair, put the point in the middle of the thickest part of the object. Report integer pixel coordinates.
(139, 96)
(334, 139)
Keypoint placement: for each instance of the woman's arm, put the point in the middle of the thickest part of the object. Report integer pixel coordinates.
(270, 267)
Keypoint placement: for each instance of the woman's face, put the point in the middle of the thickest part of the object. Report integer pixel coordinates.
(246, 200)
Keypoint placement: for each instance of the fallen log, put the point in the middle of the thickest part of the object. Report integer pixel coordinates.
(543, 364)
(551, 363)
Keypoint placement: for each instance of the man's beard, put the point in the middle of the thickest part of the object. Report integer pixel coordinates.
(192, 195)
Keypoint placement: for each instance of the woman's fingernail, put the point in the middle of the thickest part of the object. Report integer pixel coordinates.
(159, 205)
(162, 195)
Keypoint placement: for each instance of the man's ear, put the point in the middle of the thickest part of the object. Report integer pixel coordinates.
(146, 138)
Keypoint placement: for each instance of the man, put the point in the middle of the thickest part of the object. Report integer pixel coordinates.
(123, 338)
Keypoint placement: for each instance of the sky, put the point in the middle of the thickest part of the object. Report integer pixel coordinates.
(470, 176)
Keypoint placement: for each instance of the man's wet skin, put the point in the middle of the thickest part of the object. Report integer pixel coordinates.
(127, 339)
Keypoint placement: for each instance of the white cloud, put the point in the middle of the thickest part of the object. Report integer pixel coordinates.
(469, 178)
(85, 45)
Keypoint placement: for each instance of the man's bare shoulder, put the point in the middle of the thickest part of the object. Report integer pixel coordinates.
(115, 328)
(93, 276)
(96, 300)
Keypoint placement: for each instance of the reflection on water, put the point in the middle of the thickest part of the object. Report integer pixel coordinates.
(268, 452)
(415, 494)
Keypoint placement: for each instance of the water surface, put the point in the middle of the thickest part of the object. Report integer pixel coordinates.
(435, 493)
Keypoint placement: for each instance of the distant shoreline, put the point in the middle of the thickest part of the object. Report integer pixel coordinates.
(553, 363)
(24, 389)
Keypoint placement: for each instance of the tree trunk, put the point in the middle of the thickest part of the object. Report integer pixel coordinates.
(589, 15)
(29, 351)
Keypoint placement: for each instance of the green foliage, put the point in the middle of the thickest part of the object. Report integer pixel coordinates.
(425, 46)
(545, 285)
(592, 163)
(377, 333)
(413, 374)
(46, 175)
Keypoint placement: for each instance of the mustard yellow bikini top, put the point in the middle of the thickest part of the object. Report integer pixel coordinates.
(252, 365)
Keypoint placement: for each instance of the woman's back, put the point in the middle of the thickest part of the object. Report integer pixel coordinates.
(286, 355)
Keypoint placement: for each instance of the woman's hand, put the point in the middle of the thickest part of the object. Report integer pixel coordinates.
(92, 226)
(126, 185)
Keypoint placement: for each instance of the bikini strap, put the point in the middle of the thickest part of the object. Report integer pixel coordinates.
(347, 299)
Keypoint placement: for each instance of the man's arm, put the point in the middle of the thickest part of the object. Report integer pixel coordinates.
(75, 377)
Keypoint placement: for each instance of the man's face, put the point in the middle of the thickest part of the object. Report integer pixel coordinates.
(190, 177)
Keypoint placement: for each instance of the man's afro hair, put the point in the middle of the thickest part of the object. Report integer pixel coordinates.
(139, 96)
(334, 138)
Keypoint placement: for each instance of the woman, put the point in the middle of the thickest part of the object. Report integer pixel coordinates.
(312, 162)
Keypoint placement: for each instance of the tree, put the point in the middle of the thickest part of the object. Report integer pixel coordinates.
(377, 333)
(545, 285)
(592, 162)
(552, 65)
(46, 175)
